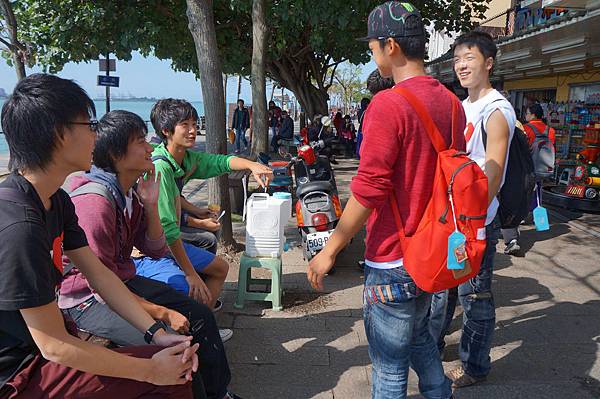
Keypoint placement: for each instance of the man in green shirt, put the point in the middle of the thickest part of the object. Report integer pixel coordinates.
(175, 122)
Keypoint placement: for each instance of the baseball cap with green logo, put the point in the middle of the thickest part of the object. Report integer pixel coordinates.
(389, 20)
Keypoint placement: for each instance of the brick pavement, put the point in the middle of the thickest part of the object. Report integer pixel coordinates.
(546, 343)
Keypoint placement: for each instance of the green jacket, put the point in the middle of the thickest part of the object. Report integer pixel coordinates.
(196, 165)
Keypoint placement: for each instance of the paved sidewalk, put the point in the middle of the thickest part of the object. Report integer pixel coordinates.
(546, 343)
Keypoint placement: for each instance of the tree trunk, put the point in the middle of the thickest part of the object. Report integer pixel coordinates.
(202, 28)
(239, 92)
(16, 48)
(293, 75)
(312, 100)
(225, 80)
(260, 129)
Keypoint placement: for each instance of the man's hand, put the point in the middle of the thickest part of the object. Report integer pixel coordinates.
(177, 321)
(353, 219)
(210, 225)
(163, 338)
(198, 289)
(174, 365)
(204, 213)
(318, 267)
(149, 188)
(262, 174)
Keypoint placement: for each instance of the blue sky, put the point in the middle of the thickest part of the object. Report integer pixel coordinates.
(140, 77)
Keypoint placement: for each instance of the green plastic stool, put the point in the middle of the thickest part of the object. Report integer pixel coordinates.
(273, 294)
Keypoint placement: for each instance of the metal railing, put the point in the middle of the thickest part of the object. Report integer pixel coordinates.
(517, 20)
(527, 18)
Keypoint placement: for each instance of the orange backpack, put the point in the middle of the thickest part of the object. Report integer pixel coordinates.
(459, 201)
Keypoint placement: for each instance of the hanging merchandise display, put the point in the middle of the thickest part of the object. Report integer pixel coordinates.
(577, 126)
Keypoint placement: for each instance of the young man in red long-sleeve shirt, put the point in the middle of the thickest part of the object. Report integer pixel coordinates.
(398, 158)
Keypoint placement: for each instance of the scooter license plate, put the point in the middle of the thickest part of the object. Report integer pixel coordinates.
(316, 241)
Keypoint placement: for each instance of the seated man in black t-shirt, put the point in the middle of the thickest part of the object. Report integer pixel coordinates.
(49, 127)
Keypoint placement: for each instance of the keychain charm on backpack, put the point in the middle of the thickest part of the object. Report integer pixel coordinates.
(457, 251)
(540, 216)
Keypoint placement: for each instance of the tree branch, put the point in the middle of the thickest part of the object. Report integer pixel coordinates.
(332, 75)
(11, 21)
(7, 44)
(325, 65)
(302, 51)
(337, 63)
(316, 73)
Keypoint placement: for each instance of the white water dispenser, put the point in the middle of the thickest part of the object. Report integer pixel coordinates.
(266, 218)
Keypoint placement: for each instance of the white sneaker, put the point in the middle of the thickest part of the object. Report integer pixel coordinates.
(225, 334)
(512, 248)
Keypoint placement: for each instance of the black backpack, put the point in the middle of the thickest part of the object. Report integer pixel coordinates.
(517, 191)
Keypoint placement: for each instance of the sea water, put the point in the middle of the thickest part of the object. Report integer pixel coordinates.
(142, 108)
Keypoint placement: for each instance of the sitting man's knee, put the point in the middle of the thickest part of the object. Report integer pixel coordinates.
(221, 267)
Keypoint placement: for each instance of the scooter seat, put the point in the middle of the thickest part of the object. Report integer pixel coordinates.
(281, 181)
(314, 186)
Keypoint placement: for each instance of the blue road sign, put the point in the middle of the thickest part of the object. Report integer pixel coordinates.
(112, 81)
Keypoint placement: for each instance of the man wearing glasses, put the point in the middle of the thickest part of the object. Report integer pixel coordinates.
(49, 129)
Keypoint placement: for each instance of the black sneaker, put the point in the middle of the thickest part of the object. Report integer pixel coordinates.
(361, 265)
(218, 306)
(512, 248)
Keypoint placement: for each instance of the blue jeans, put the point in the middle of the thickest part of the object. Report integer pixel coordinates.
(479, 317)
(396, 324)
(240, 135)
(442, 311)
(167, 271)
(359, 139)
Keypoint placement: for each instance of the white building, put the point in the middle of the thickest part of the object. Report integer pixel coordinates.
(494, 22)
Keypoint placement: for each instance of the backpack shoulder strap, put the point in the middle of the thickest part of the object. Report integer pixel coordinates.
(430, 127)
(163, 158)
(95, 188)
(438, 141)
(398, 220)
(536, 131)
(178, 180)
(483, 132)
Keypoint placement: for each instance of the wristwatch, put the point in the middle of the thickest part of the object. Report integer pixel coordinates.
(149, 334)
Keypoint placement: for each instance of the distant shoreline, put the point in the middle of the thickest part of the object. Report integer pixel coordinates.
(136, 99)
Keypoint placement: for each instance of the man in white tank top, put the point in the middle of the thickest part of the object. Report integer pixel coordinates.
(486, 111)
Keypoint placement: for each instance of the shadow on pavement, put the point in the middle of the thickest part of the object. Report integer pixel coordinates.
(547, 352)
(529, 237)
(300, 357)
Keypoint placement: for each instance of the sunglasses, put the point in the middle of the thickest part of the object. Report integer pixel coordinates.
(92, 124)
